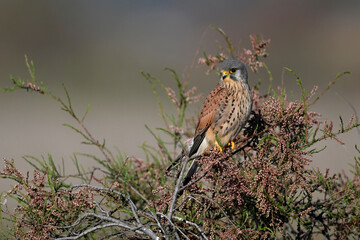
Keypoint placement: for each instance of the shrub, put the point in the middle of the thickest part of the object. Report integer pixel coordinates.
(264, 189)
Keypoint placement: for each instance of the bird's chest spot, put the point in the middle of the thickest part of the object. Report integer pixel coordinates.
(230, 114)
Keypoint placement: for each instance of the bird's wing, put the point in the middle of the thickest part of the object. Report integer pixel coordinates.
(213, 107)
(211, 111)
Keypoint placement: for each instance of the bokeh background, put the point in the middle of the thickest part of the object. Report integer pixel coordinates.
(99, 48)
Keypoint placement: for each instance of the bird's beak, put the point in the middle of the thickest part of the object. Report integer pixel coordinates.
(224, 74)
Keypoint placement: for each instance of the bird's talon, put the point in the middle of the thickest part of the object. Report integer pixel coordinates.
(218, 147)
(232, 145)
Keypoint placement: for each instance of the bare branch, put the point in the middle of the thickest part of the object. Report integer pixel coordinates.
(84, 233)
(172, 224)
(192, 224)
(113, 222)
(177, 188)
(134, 209)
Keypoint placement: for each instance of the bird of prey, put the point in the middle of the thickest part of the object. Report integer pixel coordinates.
(224, 113)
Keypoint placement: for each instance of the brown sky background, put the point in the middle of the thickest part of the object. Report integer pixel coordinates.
(99, 48)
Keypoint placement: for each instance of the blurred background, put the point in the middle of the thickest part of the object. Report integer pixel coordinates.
(99, 48)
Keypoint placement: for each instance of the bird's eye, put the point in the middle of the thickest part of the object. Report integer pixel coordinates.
(232, 70)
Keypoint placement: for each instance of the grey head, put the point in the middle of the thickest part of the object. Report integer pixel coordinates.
(234, 69)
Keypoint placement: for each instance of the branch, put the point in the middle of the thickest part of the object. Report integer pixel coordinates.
(84, 233)
(192, 224)
(218, 205)
(134, 209)
(114, 222)
(177, 188)
(171, 223)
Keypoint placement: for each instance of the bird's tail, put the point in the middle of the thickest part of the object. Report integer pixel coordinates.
(192, 170)
(193, 149)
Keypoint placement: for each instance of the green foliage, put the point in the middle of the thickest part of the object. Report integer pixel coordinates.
(263, 189)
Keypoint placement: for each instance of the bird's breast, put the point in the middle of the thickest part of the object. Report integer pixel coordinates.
(235, 111)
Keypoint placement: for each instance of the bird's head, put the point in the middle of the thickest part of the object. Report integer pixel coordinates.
(233, 70)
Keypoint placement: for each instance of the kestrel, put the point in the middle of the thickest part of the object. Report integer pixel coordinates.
(224, 113)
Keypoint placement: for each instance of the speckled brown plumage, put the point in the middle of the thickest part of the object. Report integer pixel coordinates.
(225, 112)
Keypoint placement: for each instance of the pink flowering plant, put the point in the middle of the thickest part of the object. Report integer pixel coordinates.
(264, 188)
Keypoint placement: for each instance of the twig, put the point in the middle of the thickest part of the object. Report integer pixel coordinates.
(114, 222)
(127, 199)
(177, 188)
(134, 190)
(353, 109)
(96, 142)
(101, 209)
(172, 224)
(338, 76)
(159, 224)
(116, 235)
(215, 203)
(186, 198)
(193, 182)
(192, 224)
(133, 209)
(84, 233)
(97, 188)
(182, 202)
(127, 184)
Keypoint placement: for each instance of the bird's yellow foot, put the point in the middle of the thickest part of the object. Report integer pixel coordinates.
(231, 144)
(218, 147)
